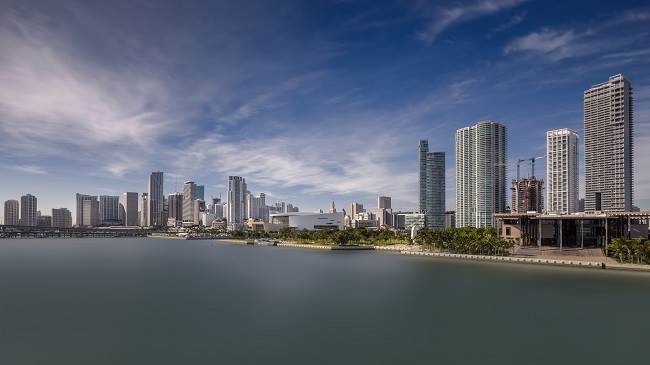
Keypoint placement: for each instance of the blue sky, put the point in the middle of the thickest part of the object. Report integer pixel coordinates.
(310, 101)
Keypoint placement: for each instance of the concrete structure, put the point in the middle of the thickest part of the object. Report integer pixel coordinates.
(309, 221)
(109, 210)
(144, 210)
(355, 208)
(44, 221)
(175, 210)
(577, 230)
(527, 195)
(90, 213)
(450, 219)
(156, 200)
(80, 198)
(61, 218)
(562, 171)
(236, 201)
(189, 198)
(28, 209)
(255, 206)
(130, 203)
(383, 216)
(609, 159)
(12, 213)
(480, 174)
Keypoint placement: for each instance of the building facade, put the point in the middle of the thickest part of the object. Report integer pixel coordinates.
(480, 174)
(12, 213)
(90, 212)
(28, 209)
(309, 221)
(144, 210)
(236, 201)
(562, 171)
(61, 218)
(109, 210)
(130, 203)
(527, 195)
(156, 200)
(80, 198)
(384, 202)
(608, 138)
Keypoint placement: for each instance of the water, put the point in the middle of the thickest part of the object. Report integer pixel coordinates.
(147, 301)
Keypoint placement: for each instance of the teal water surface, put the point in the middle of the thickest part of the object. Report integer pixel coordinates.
(150, 301)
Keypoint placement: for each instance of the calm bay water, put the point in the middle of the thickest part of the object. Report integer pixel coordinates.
(148, 301)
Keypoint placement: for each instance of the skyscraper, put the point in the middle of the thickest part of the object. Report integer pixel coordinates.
(236, 201)
(80, 198)
(144, 210)
(12, 213)
(61, 218)
(28, 208)
(189, 198)
(609, 145)
(130, 203)
(90, 212)
(561, 171)
(383, 202)
(156, 199)
(109, 210)
(175, 206)
(255, 205)
(356, 208)
(200, 192)
(480, 174)
(423, 150)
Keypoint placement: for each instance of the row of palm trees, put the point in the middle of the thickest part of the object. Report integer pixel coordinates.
(466, 240)
(630, 251)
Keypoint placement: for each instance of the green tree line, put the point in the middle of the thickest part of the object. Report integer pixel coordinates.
(629, 251)
(466, 240)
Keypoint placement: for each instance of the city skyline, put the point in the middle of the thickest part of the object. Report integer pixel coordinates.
(536, 69)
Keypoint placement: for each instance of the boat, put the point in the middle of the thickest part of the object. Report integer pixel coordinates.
(265, 242)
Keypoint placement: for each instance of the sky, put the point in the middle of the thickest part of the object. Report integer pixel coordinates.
(310, 101)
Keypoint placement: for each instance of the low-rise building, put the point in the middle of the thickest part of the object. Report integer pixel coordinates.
(309, 221)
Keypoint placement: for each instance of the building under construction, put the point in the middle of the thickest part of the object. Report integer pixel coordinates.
(527, 195)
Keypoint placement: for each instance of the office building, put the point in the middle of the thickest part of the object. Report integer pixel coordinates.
(255, 205)
(90, 212)
(480, 174)
(109, 210)
(61, 218)
(130, 203)
(561, 171)
(12, 213)
(383, 202)
(292, 208)
(44, 221)
(356, 208)
(450, 219)
(175, 206)
(156, 200)
(28, 209)
(80, 198)
(432, 185)
(609, 159)
(189, 198)
(200, 192)
(236, 201)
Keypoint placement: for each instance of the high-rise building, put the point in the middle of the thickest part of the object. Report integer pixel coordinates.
(200, 192)
(80, 198)
(12, 213)
(109, 210)
(609, 158)
(432, 185)
(90, 212)
(527, 195)
(450, 219)
(130, 203)
(28, 209)
(61, 218)
(44, 221)
(356, 208)
(562, 171)
(156, 199)
(236, 201)
(144, 210)
(189, 199)
(255, 206)
(292, 208)
(175, 206)
(383, 202)
(480, 174)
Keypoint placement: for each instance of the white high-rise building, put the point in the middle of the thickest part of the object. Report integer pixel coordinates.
(255, 206)
(156, 200)
(28, 209)
(236, 201)
(12, 213)
(144, 210)
(561, 171)
(130, 203)
(480, 174)
(608, 139)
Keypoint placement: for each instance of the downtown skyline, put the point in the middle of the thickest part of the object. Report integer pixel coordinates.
(343, 123)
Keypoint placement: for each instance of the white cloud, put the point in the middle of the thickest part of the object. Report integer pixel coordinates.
(445, 18)
(30, 169)
(554, 44)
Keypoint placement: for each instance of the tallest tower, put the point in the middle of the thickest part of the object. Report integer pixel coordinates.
(609, 145)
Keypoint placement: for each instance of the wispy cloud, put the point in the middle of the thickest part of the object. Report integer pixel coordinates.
(516, 19)
(444, 18)
(554, 44)
(30, 169)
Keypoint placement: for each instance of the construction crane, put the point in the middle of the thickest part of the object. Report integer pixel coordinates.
(532, 164)
(518, 166)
